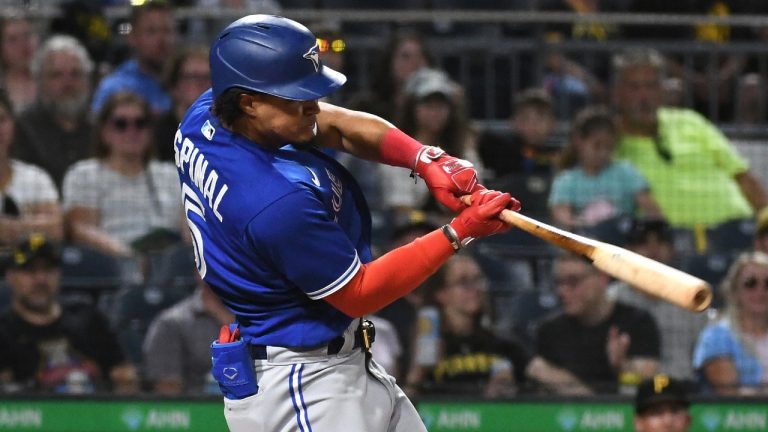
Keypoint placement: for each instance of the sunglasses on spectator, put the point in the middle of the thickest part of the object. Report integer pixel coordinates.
(751, 283)
(123, 123)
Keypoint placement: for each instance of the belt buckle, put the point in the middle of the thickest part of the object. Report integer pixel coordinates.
(368, 333)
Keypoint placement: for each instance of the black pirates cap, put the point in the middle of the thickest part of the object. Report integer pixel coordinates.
(660, 389)
(33, 247)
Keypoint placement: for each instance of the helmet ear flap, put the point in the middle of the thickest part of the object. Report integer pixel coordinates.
(272, 55)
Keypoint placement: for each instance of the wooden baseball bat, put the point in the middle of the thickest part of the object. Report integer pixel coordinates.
(644, 274)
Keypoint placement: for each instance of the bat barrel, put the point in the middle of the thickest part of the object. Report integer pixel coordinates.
(702, 299)
(653, 277)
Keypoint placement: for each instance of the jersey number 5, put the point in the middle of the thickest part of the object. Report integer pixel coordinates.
(192, 204)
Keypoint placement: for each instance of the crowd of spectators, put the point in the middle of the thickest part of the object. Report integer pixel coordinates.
(87, 166)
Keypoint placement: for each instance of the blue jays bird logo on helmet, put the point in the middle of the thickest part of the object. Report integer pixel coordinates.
(268, 54)
(314, 57)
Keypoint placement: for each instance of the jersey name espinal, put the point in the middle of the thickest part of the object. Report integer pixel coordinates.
(205, 180)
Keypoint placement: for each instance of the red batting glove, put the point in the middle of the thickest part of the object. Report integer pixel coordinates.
(447, 177)
(481, 218)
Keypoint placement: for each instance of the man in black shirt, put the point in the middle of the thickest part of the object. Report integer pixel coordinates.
(594, 339)
(48, 347)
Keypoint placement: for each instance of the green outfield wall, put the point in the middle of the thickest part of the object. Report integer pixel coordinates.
(68, 415)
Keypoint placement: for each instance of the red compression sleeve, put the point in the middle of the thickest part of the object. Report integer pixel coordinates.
(398, 149)
(395, 274)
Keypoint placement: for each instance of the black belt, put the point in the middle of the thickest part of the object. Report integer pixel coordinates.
(364, 337)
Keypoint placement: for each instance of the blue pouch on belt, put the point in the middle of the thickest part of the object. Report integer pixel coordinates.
(233, 369)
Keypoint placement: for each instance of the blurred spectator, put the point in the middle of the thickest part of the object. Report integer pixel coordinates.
(52, 347)
(680, 328)
(522, 161)
(529, 148)
(389, 350)
(188, 76)
(56, 128)
(696, 177)
(177, 347)
(597, 340)
(18, 42)
(750, 102)
(404, 53)
(29, 200)
(661, 405)
(574, 84)
(468, 358)
(731, 355)
(402, 312)
(121, 196)
(462, 29)
(433, 113)
(716, 78)
(712, 72)
(151, 39)
(332, 47)
(592, 186)
(761, 231)
(197, 29)
(85, 21)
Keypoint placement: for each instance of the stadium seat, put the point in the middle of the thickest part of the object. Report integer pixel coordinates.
(711, 267)
(731, 236)
(89, 273)
(132, 310)
(615, 230)
(532, 190)
(528, 309)
(173, 267)
(5, 295)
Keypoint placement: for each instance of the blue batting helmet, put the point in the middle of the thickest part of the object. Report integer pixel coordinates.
(272, 55)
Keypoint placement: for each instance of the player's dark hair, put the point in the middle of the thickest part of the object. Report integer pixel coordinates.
(588, 121)
(100, 148)
(226, 107)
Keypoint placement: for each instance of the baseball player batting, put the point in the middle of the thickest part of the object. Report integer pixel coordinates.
(281, 233)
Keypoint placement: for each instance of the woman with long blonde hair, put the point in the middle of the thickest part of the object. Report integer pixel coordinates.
(731, 355)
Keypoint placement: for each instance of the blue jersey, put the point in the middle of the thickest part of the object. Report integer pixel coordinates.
(274, 230)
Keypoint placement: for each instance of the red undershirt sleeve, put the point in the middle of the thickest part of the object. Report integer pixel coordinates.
(398, 149)
(398, 272)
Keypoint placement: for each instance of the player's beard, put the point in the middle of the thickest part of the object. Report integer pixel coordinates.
(70, 108)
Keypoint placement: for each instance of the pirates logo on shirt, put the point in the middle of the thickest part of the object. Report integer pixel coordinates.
(313, 56)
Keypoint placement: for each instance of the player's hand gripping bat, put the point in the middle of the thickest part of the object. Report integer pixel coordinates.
(644, 274)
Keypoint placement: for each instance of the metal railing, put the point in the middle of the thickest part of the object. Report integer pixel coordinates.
(492, 65)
